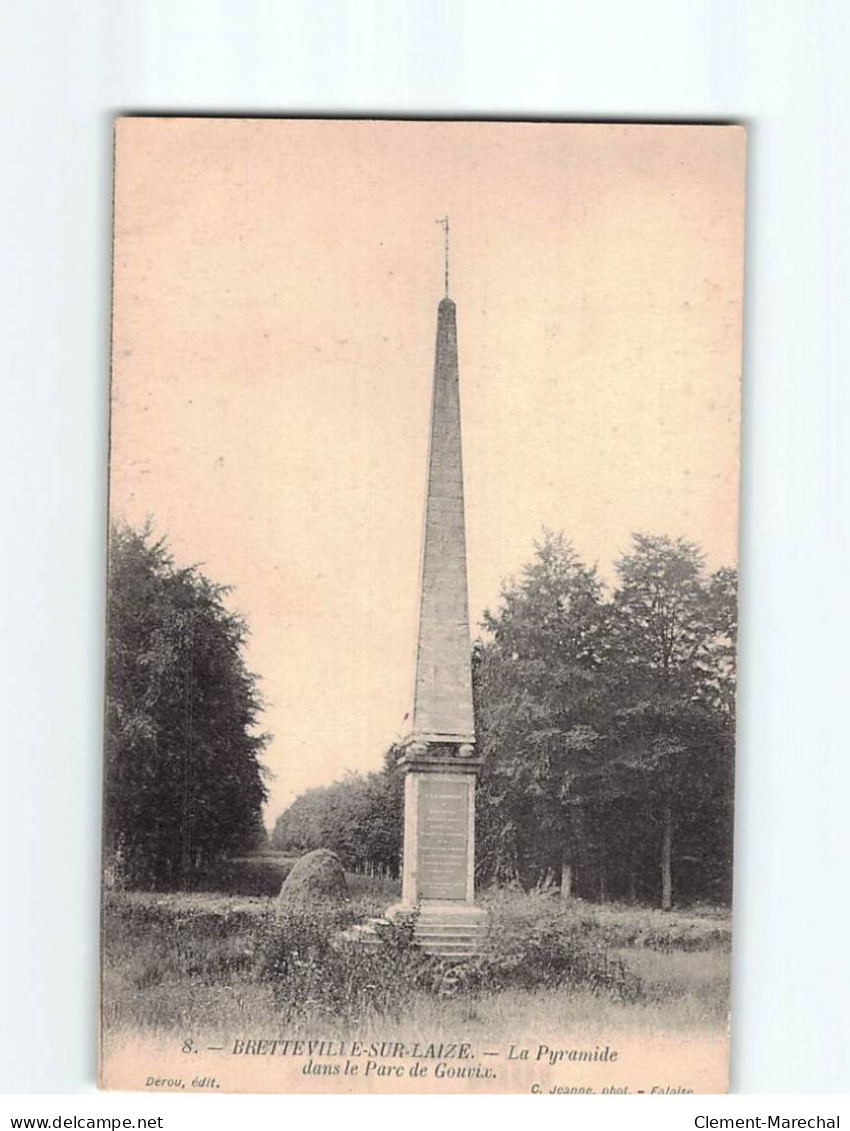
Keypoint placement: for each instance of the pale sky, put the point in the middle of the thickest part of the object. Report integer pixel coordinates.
(275, 297)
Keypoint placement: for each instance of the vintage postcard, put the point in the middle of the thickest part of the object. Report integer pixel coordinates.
(422, 606)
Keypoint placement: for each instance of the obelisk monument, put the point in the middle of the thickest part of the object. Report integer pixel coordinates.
(440, 760)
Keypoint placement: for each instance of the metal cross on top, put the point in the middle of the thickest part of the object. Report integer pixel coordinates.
(445, 223)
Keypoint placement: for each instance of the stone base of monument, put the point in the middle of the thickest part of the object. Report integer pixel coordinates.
(445, 929)
(448, 928)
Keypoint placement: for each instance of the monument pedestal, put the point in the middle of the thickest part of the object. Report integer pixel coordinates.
(438, 855)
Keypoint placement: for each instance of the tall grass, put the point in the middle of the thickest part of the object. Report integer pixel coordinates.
(219, 964)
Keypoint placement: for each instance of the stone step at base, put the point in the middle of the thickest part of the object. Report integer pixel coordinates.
(461, 945)
(438, 925)
(473, 922)
(460, 948)
(450, 924)
(450, 928)
(451, 921)
(447, 932)
(446, 940)
(451, 949)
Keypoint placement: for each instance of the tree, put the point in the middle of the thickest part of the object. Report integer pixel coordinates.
(538, 706)
(359, 818)
(184, 783)
(608, 726)
(672, 678)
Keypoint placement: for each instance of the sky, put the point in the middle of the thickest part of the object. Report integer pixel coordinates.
(274, 310)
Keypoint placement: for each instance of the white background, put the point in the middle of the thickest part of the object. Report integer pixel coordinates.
(66, 69)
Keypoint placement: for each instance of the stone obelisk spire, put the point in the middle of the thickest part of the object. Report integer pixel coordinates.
(442, 700)
(440, 761)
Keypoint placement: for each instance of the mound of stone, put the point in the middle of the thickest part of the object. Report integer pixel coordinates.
(316, 878)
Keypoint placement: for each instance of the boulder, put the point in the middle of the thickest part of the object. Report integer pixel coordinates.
(317, 878)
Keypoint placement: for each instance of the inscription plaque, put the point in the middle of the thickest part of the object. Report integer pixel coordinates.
(443, 838)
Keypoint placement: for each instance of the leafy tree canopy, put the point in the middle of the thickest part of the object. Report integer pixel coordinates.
(184, 781)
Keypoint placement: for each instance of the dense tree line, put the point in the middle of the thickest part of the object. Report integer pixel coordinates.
(359, 818)
(184, 784)
(607, 724)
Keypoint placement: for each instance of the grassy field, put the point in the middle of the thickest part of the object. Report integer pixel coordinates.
(222, 964)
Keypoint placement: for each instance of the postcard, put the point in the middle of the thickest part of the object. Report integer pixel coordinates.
(422, 606)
